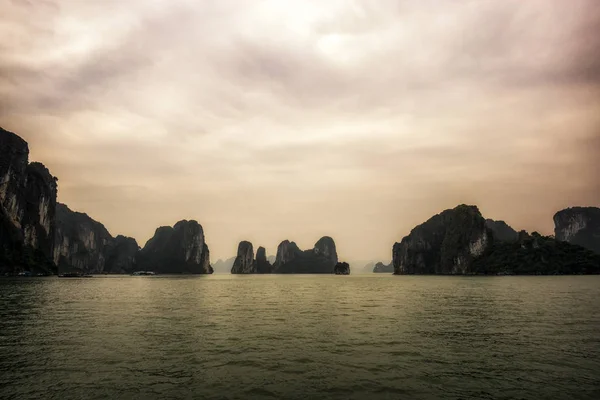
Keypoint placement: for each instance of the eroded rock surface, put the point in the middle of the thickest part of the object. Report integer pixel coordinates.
(319, 260)
(83, 244)
(579, 225)
(244, 262)
(445, 244)
(263, 266)
(174, 250)
(27, 207)
(342, 268)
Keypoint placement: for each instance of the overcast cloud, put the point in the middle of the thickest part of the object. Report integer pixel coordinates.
(269, 120)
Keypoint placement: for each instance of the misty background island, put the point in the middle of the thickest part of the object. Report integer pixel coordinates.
(39, 236)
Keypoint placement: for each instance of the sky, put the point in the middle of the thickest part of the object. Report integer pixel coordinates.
(268, 120)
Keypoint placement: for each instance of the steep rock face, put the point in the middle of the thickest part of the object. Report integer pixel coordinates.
(120, 255)
(502, 231)
(325, 248)
(320, 260)
(27, 208)
(83, 244)
(341, 268)
(244, 262)
(178, 249)
(263, 266)
(381, 268)
(80, 242)
(446, 244)
(579, 225)
(286, 252)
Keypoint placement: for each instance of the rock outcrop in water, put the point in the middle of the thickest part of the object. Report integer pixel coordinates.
(579, 225)
(446, 244)
(381, 268)
(177, 249)
(320, 260)
(502, 231)
(85, 245)
(120, 255)
(458, 242)
(27, 207)
(244, 262)
(341, 268)
(262, 264)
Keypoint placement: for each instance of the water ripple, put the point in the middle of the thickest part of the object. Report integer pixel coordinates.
(300, 337)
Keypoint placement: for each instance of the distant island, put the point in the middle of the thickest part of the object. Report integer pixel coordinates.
(39, 236)
(461, 242)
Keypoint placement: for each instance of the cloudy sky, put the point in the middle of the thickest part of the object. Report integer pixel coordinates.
(268, 120)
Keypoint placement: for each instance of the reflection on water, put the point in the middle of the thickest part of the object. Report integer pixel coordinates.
(266, 336)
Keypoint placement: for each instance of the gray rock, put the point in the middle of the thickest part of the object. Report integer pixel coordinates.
(27, 208)
(342, 268)
(120, 255)
(80, 242)
(320, 260)
(83, 244)
(244, 262)
(325, 247)
(446, 244)
(579, 225)
(263, 266)
(174, 250)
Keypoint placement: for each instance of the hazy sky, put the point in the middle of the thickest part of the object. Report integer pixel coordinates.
(270, 120)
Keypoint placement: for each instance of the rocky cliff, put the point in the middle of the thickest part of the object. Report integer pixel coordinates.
(120, 255)
(27, 208)
(178, 249)
(341, 268)
(320, 260)
(579, 225)
(263, 266)
(325, 248)
(381, 268)
(445, 244)
(85, 245)
(502, 231)
(244, 262)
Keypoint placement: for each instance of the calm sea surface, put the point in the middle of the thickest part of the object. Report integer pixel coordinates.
(300, 337)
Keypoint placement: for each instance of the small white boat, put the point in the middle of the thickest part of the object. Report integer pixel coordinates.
(143, 273)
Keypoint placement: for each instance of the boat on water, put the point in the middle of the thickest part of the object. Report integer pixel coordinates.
(143, 273)
(74, 275)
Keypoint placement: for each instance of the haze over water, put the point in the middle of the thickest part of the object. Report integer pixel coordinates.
(268, 336)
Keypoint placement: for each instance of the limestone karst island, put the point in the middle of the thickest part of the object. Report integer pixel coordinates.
(39, 236)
